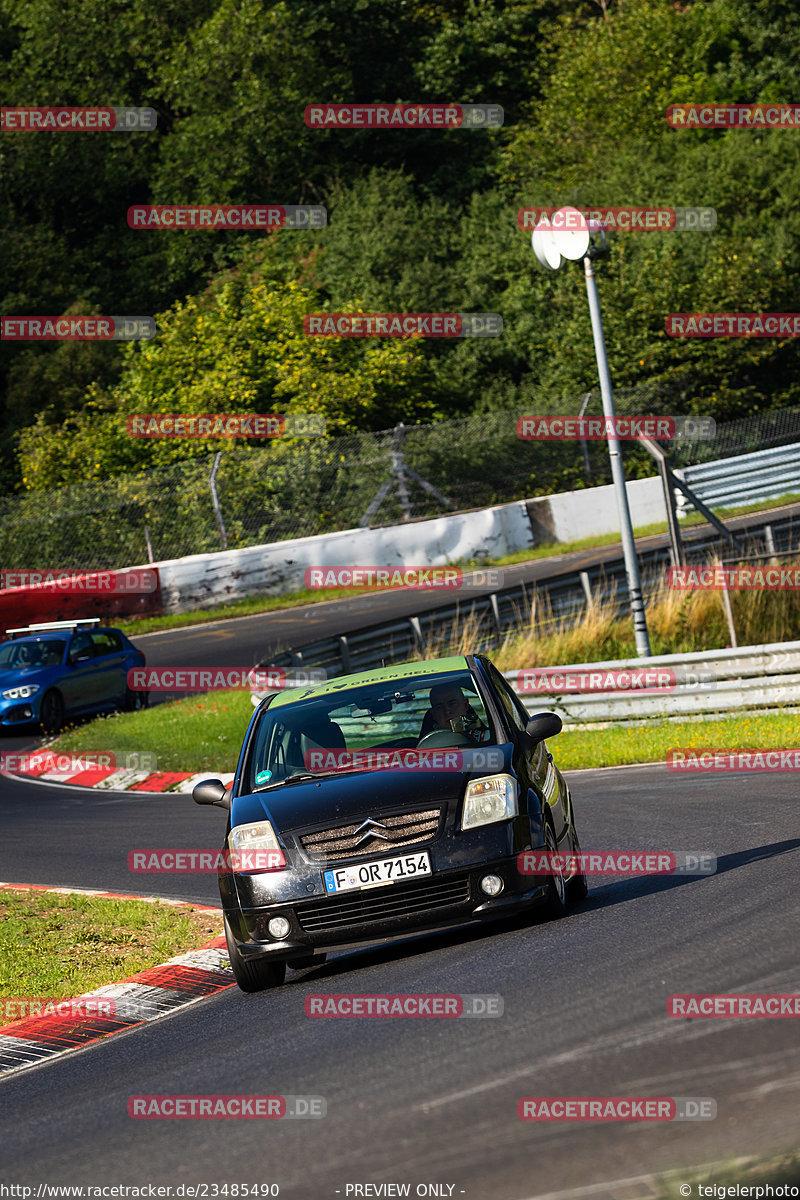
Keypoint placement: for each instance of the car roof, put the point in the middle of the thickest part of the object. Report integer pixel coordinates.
(57, 633)
(431, 666)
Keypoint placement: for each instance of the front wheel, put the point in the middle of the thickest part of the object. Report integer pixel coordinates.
(577, 888)
(51, 714)
(555, 904)
(255, 976)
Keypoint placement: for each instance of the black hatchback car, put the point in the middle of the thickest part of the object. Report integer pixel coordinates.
(389, 802)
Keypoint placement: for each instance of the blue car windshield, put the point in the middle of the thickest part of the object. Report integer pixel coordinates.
(316, 735)
(14, 656)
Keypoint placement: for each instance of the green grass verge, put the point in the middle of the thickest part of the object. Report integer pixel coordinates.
(264, 604)
(198, 733)
(59, 946)
(575, 749)
(783, 1169)
(205, 734)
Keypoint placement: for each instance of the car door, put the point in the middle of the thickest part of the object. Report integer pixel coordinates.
(80, 685)
(539, 760)
(111, 665)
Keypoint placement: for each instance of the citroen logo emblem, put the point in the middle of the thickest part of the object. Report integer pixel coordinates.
(369, 830)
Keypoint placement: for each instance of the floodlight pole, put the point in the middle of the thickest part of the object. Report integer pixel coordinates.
(617, 470)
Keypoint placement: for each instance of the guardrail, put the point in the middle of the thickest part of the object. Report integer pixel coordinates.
(746, 478)
(704, 682)
(492, 616)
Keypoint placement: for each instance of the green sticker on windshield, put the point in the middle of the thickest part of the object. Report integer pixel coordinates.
(263, 776)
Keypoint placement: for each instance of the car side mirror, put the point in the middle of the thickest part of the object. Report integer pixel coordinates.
(80, 658)
(212, 791)
(542, 726)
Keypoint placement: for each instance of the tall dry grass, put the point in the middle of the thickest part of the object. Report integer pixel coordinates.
(679, 622)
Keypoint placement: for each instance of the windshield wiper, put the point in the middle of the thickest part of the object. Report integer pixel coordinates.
(295, 777)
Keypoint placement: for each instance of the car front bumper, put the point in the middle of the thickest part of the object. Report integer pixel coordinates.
(19, 712)
(330, 922)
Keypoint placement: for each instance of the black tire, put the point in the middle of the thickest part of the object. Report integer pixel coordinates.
(555, 905)
(51, 713)
(255, 976)
(136, 701)
(307, 960)
(578, 887)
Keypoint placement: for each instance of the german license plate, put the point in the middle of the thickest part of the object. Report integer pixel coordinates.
(377, 874)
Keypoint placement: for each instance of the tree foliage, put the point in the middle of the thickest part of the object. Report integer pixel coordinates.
(419, 221)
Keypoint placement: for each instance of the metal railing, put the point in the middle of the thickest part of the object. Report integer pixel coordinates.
(728, 482)
(564, 598)
(705, 682)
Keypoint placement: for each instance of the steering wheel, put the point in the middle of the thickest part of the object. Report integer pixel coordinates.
(444, 738)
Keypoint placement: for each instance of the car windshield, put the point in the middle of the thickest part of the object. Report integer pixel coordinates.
(315, 736)
(46, 653)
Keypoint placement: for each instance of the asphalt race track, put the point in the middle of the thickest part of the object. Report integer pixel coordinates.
(428, 1101)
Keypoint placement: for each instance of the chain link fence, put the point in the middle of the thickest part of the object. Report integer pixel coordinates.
(248, 495)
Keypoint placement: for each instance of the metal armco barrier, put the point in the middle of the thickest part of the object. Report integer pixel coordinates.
(728, 482)
(491, 616)
(710, 681)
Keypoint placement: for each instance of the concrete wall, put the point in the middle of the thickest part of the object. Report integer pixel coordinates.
(205, 580)
(569, 516)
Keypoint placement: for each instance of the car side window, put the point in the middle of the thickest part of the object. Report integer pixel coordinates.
(507, 698)
(106, 642)
(81, 645)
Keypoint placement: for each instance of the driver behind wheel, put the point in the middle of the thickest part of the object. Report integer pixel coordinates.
(451, 710)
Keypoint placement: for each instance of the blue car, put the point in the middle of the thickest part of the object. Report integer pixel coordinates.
(52, 672)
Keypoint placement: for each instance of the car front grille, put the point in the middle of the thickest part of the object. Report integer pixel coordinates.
(382, 904)
(347, 841)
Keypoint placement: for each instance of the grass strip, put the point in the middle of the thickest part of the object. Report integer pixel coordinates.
(782, 1170)
(614, 747)
(197, 733)
(58, 946)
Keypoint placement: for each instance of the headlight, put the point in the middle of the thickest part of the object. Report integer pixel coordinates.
(491, 799)
(255, 848)
(21, 693)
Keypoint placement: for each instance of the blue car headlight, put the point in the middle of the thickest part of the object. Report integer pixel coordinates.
(23, 692)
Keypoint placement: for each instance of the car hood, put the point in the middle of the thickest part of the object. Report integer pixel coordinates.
(10, 676)
(356, 794)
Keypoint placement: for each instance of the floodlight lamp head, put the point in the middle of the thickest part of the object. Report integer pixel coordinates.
(564, 236)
